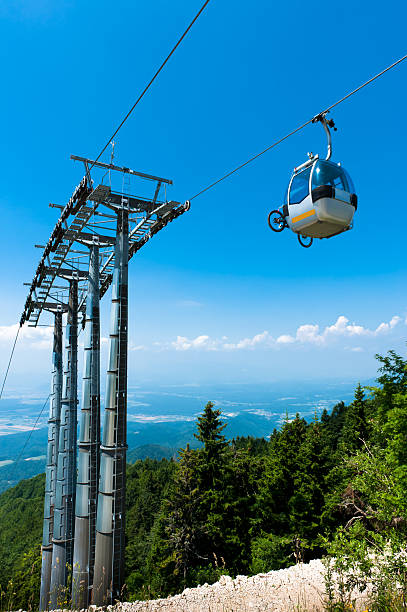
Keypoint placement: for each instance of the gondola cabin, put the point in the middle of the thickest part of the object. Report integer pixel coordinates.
(321, 199)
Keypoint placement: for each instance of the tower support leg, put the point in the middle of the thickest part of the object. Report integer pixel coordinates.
(51, 467)
(66, 464)
(89, 445)
(110, 522)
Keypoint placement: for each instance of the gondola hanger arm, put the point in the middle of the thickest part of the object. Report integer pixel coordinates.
(326, 124)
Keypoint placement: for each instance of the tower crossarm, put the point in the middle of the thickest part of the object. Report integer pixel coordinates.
(73, 218)
(87, 218)
(148, 226)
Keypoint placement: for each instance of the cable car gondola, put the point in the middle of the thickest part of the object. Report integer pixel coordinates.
(320, 200)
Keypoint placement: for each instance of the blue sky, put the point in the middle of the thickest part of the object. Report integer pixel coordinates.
(216, 296)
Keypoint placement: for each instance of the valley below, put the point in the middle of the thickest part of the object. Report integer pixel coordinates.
(162, 419)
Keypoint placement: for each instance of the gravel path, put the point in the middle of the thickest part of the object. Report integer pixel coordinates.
(296, 589)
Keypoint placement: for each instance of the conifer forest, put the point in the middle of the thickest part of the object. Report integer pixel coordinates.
(335, 486)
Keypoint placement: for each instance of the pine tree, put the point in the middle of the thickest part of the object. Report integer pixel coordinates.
(333, 423)
(315, 461)
(241, 477)
(394, 431)
(393, 381)
(356, 429)
(185, 529)
(196, 527)
(210, 429)
(277, 484)
(212, 476)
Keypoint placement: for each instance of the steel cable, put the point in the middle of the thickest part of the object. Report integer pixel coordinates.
(147, 87)
(29, 435)
(225, 176)
(9, 361)
(211, 185)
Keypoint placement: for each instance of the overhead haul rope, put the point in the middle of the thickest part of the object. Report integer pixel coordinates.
(29, 435)
(147, 87)
(9, 361)
(224, 177)
(249, 161)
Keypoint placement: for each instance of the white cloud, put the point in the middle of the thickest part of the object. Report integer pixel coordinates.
(285, 339)
(249, 343)
(200, 342)
(395, 321)
(40, 338)
(308, 333)
(34, 337)
(386, 327)
(136, 347)
(342, 328)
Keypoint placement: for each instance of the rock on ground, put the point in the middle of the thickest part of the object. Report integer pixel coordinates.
(298, 588)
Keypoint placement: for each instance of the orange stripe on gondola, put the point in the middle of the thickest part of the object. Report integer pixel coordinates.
(304, 216)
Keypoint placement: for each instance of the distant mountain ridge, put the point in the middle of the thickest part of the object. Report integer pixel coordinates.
(156, 440)
(162, 421)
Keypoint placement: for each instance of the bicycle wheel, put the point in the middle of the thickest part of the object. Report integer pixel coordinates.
(305, 241)
(276, 221)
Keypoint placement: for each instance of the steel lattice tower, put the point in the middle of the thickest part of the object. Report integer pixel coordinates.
(88, 444)
(51, 467)
(110, 524)
(89, 535)
(66, 464)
